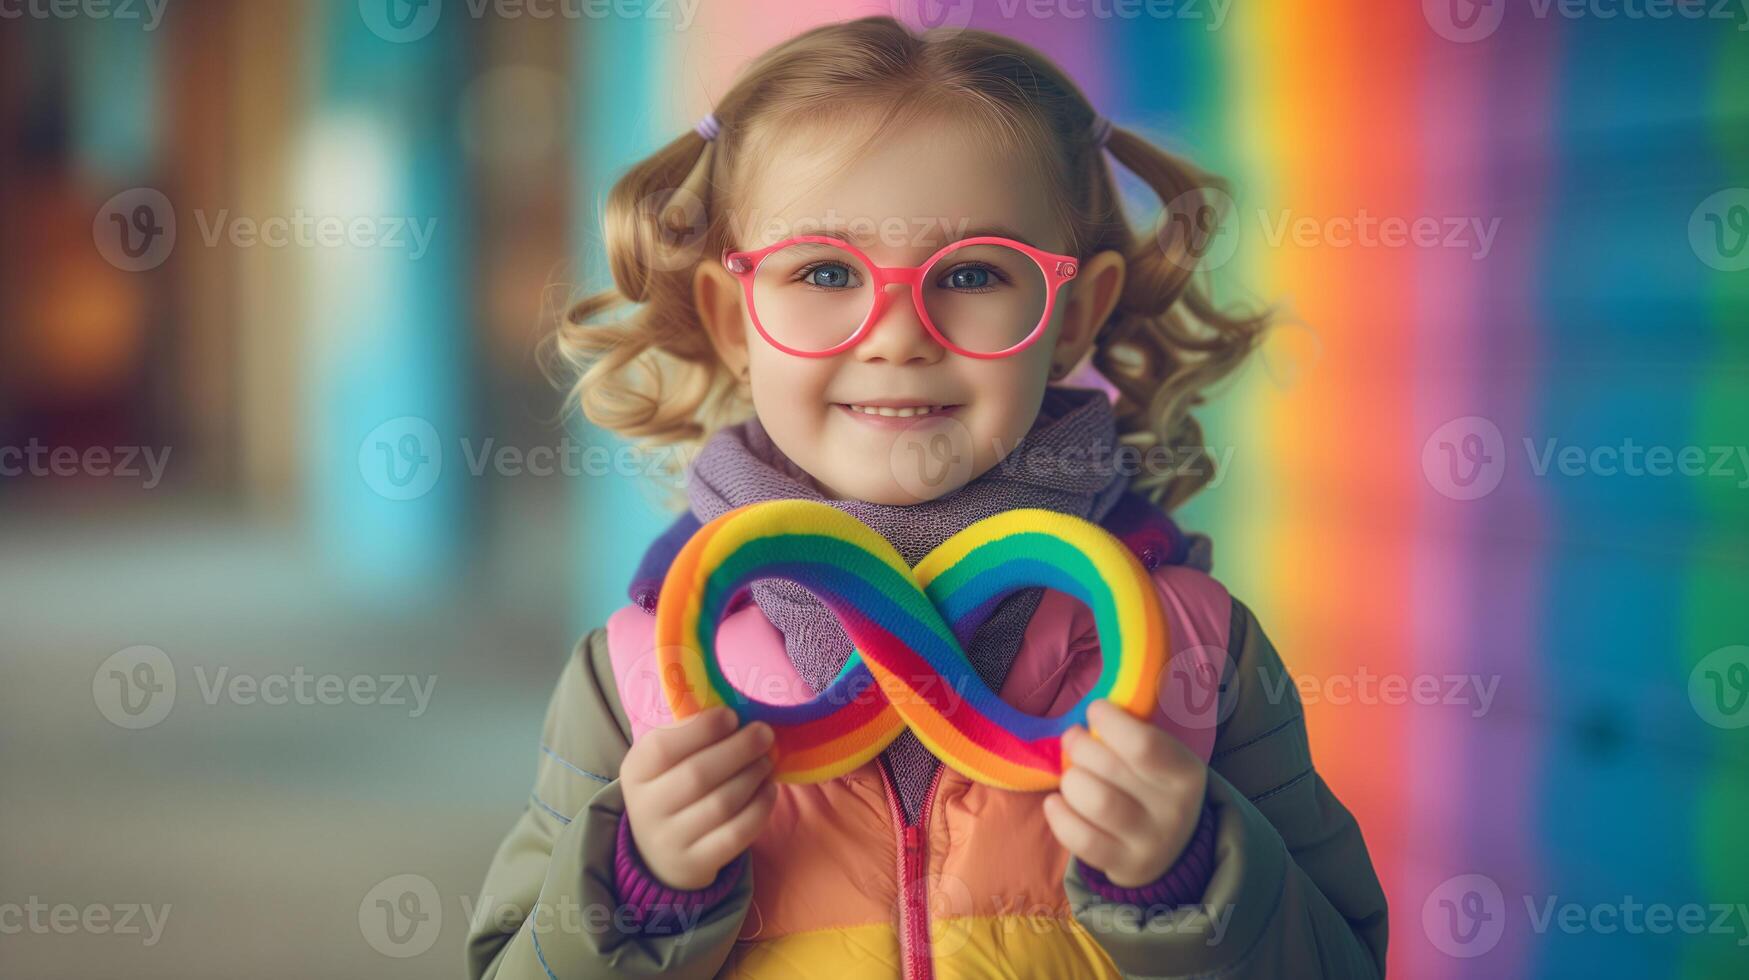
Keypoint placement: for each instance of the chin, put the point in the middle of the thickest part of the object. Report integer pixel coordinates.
(888, 492)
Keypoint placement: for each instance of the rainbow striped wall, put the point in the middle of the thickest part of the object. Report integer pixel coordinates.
(1587, 315)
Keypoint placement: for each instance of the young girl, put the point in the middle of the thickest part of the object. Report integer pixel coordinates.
(763, 248)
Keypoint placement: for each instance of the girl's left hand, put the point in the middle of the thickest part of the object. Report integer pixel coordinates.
(1129, 799)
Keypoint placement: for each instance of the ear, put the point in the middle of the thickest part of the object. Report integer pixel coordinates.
(716, 294)
(1092, 295)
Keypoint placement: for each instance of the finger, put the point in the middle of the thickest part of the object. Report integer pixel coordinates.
(667, 747)
(750, 742)
(723, 844)
(1079, 837)
(706, 769)
(719, 805)
(1081, 750)
(1152, 752)
(1107, 807)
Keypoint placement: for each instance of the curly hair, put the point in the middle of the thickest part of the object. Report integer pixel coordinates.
(653, 376)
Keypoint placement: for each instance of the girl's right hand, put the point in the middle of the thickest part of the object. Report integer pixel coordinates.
(697, 794)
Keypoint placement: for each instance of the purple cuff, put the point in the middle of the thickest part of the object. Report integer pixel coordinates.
(1182, 883)
(654, 906)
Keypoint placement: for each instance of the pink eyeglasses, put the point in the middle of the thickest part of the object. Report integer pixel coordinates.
(986, 297)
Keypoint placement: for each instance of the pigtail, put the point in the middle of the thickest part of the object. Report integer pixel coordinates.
(660, 383)
(1168, 341)
(656, 217)
(684, 214)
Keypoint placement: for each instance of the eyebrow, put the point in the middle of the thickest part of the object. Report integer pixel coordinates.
(838, 231)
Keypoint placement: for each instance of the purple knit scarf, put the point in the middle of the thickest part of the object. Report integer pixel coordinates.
(1065, 463)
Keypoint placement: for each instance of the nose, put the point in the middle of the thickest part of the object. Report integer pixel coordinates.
(898, 335)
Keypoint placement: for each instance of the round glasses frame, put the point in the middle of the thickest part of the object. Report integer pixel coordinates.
(1056, 269)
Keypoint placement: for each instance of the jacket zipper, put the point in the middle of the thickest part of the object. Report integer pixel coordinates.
(914, 952)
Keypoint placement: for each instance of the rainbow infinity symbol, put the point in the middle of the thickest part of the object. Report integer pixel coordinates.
(907, 624)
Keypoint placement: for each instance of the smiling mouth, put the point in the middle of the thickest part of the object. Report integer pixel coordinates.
(905, 411)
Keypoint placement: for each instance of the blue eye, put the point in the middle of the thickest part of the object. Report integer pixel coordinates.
(829, 275)
(971, 278)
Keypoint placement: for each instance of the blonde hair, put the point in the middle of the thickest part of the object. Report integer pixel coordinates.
(653, 376)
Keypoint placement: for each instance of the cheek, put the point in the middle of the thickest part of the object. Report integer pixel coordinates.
(790, 377)
(1011, 391)
(1006, 403)
(789, 393)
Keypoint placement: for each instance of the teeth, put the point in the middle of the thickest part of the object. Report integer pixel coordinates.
(903, 413)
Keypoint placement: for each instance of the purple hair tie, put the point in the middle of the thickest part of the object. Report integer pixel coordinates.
(708, 127)
(1100, 131)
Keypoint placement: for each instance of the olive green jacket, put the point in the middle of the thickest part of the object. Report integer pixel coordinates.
(1293, 893)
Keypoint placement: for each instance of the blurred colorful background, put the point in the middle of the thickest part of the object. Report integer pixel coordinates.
(272, 276)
